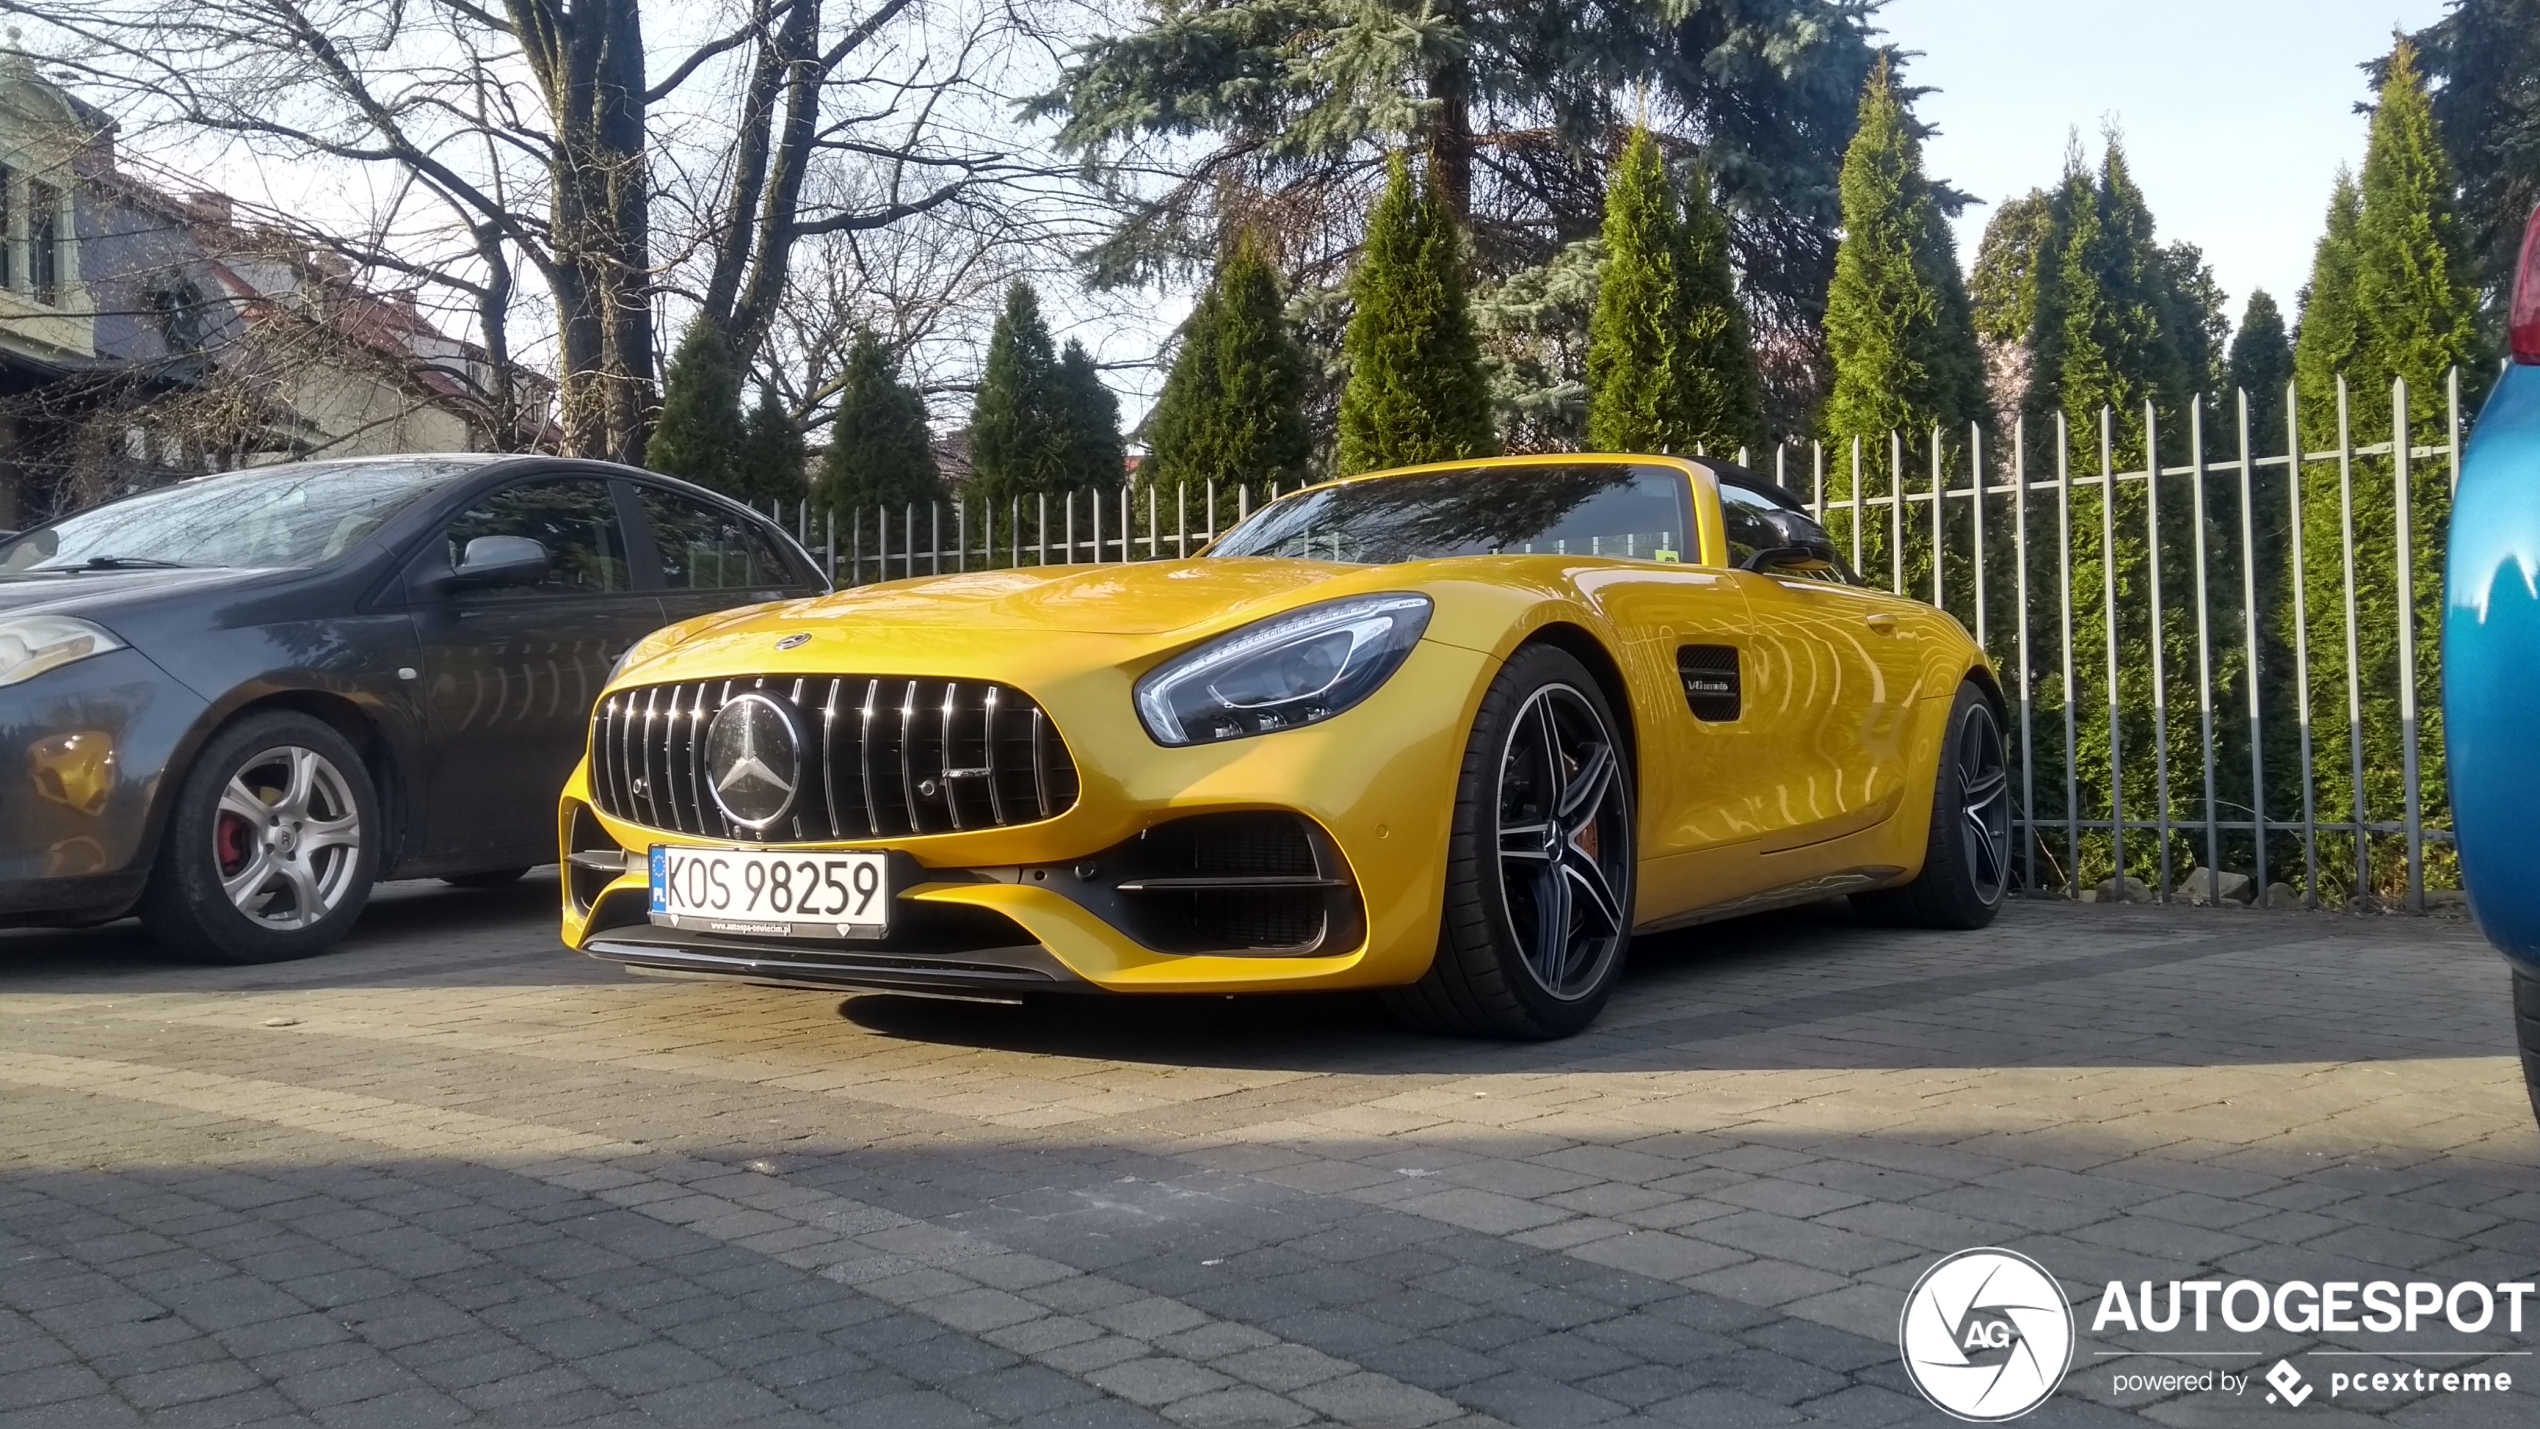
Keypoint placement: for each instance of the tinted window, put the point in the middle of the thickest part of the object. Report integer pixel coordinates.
(1749, 522)
(574, 519)
(1582, 510)
(705, 547)
(1755, 522)
(285, 517)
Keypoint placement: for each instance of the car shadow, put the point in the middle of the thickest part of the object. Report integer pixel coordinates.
(1817, 986)
(504, 923)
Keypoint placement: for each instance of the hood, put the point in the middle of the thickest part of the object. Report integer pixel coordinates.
(99, 595)
(1142, 598)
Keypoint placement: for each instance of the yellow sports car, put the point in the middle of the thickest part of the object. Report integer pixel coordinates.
(1453, 732)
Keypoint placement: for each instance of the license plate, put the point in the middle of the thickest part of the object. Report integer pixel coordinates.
(771, 892)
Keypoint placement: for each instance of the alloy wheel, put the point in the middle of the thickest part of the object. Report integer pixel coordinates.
(1984, 797)
(287, 837)
(1565, 842)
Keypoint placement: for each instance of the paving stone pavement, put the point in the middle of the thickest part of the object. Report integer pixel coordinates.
(454, 1174)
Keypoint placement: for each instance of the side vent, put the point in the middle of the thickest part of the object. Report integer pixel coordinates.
(1709, 673)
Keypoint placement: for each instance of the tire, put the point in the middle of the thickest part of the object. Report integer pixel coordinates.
(1516, 850)
(1967, 862)
(317, 847)
(487, 878)
(2527, 1032)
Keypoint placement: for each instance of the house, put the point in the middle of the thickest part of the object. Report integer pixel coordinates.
(148, 334)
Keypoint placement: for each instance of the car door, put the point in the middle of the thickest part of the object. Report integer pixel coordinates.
(1827, 687)
(714, 558)
(511, 671)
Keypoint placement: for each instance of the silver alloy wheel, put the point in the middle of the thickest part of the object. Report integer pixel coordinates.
(1565, 842)
(1984, 797)
(287, 838)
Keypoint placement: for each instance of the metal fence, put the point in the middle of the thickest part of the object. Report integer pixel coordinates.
(2147, 597)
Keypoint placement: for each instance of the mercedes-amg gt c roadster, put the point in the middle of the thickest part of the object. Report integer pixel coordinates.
(1453, 732)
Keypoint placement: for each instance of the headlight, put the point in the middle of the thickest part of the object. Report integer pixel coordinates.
(1291, 670)
(33, 644)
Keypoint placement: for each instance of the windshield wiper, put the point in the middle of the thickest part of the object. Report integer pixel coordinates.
(116, 563)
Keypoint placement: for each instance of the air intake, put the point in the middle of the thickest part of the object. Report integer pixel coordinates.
(1710, 679)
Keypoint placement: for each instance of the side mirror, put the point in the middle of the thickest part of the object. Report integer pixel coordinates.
(498, 561)
(1772, 558)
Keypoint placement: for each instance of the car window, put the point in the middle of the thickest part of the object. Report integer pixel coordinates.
(705, 547)
(282, 517)
(574, 518)
(1755, 522)
(1555, 508)
(1746, 518)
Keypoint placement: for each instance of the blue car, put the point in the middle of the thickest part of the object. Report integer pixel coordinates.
(2491, 661)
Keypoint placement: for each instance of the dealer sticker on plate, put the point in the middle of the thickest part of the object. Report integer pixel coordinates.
(771, 892)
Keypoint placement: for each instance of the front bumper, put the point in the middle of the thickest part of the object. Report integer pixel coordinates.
(1041, 907)
(82, 753)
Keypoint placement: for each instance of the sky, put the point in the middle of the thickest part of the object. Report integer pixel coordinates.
(2236, 113)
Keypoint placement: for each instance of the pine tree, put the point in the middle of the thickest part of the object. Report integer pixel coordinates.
(1016, 445)
(1640, 383)
(2261, 363)
(1279, 105)
(2015, 263)
(1898, 323)
(2389, 301)
(1086, 419)
(1416, 392)
(1233, 407)
(2330, 337)
(700, 424)
(768, 467)
(2482, 64)
(2111, 349)
(879, 455)
(1728, 387)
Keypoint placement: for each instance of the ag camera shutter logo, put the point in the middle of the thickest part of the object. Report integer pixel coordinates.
(1986, 1335)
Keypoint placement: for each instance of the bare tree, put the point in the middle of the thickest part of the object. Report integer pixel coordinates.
(534, 133)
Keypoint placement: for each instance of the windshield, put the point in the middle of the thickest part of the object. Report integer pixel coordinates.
(283, 517)
(1585, 509)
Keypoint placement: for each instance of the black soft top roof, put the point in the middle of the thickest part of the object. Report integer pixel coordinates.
(1732, 474)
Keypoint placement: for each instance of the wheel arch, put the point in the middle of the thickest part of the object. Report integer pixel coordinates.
(1581, 644)
(1982, 677)
(337, 711)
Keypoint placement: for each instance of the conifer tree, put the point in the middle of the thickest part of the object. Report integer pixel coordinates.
(1899, 329)
(878, 453)
(700, 424)
(2390, 299)
(1640, 340)
(1086, 419)
(1017, 446)
(2261, 364)
(1233, 407)
(768, 467)
(1416, 392)
(2015, 262)
(1728, 386)
(2480, 61)
(1898, 324)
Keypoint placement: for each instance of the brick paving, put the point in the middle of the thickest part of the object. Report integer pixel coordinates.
(453, 1174)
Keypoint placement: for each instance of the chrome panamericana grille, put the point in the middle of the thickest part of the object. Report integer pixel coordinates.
(882, 757)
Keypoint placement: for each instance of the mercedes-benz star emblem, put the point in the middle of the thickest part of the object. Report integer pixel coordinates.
(795, 641)
(753, 760)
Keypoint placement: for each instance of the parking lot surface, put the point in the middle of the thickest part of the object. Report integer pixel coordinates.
(454, 1174)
